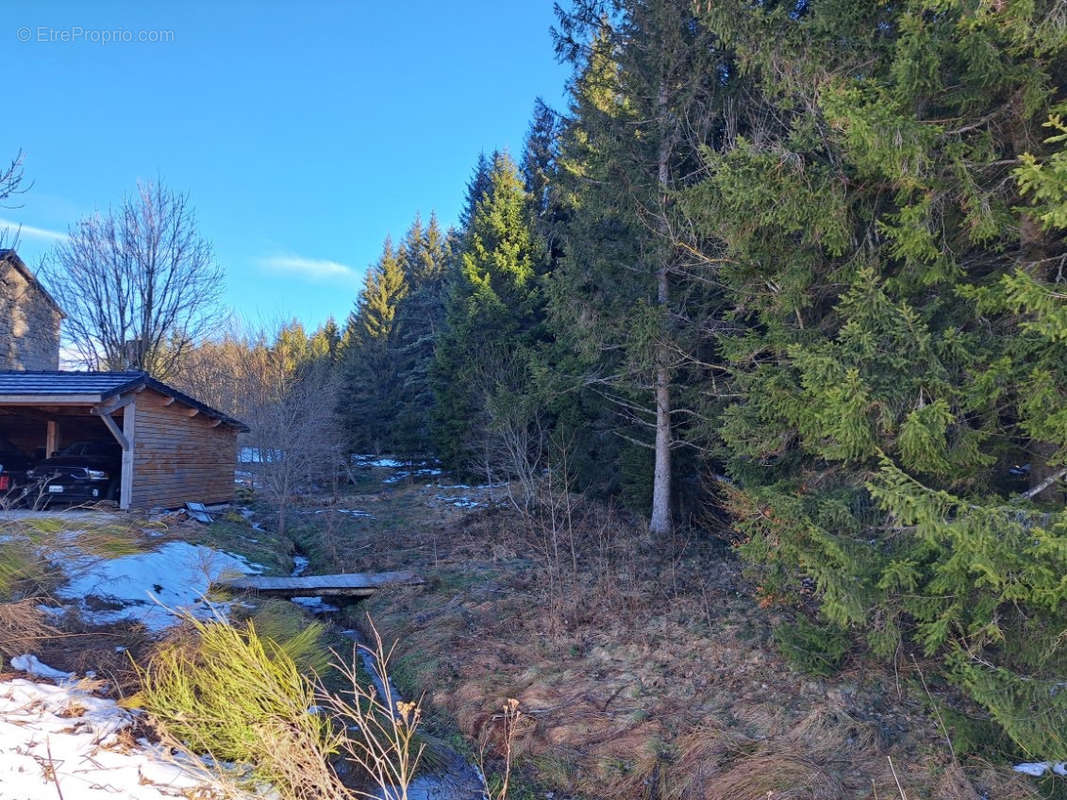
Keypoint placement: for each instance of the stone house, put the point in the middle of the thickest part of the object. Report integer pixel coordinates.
(29, 318)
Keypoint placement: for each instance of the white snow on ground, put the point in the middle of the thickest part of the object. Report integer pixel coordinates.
(1039, 768)
(352, 512)
(149, 587)
(61, 741)
(365, 460)
(396, 477)
(461, 502)
(30, 663)
(468, 486)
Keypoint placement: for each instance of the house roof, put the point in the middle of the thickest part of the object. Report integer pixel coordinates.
(11, 257)
(95, 387)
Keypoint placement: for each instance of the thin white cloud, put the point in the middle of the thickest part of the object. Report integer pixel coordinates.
(9, 228)
(317, 269)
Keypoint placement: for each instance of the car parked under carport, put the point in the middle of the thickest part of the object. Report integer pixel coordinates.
(174, 449)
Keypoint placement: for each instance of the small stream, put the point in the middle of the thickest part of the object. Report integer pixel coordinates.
(455, 778)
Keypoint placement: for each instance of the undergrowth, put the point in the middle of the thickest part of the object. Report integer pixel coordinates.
(242, 695)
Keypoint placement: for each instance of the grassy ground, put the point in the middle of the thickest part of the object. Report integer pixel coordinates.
(34, 546)
(643, 668)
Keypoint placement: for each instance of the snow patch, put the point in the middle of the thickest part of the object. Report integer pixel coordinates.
(150, 587)
(1039, 768)
(31, 664)
(376, 461)
(60, 737)
(461, 502)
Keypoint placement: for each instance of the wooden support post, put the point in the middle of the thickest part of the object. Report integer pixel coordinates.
(113, 426)
(126, 488)
(113, 405)
(51, 438)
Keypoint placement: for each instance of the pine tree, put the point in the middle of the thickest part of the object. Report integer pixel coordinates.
(493, 311)
(372, 388)
(892, 346)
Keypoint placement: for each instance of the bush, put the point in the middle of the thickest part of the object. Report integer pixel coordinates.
(810, 648)
(240, 697)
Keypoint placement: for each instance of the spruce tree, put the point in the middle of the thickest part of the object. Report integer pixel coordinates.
(372, 388)
(493, 312)
(623, 294)
(420, 319)
(892, 345)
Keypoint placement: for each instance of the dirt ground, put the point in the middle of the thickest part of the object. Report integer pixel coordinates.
(642, 668)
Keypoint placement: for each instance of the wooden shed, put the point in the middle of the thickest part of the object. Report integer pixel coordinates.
(175, 449)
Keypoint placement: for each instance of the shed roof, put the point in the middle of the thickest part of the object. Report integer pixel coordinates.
(97, 387)
(10, 256)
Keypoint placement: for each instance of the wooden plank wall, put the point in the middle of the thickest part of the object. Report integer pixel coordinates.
(178, 458)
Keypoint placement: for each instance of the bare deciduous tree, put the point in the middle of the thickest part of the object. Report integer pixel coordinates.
(11, 178)
(510, 427)
(11, 181)
(295, 436)
(138, 283)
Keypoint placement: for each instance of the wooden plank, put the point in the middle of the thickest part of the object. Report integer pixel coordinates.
(128, 456)
(112, 426)
(354, 584)
(51, 438)
(113, 405)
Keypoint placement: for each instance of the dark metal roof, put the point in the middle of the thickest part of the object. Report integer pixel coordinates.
(99, 384)
(9, 255)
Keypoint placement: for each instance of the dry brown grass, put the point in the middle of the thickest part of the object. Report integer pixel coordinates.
(23, 627)
(644, 667)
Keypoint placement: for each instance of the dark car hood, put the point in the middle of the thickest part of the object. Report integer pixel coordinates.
(91, 462)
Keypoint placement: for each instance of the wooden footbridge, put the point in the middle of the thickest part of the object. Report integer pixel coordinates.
(352, 584)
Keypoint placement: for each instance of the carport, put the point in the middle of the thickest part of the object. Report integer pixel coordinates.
(175, 449)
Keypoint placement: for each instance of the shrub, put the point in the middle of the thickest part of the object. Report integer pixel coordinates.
(814, 649)
(240, 697)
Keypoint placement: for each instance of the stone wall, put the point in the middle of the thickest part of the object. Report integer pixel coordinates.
(29, 319)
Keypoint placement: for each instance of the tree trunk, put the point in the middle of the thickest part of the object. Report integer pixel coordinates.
(661, 486)
(661, 483)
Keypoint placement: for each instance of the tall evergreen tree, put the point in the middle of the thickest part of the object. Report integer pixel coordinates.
(891, 348)
(539, 156)
(493, 311)
(623, 294)
(477, 188)
(420, 320)
(371, 382)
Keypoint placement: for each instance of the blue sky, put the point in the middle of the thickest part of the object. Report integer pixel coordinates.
(304, 132)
